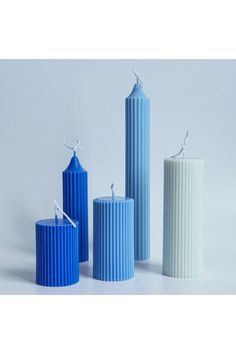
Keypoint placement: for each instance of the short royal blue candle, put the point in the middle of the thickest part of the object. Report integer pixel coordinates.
(57, 252)
(75, 201)
(113, 238)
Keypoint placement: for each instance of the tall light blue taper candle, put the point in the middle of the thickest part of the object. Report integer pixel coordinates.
(137, 166)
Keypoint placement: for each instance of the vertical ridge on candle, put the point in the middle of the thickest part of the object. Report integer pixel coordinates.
(137, 167)
(56, 254)
(113, 239)
(183, 244)
(75, 205)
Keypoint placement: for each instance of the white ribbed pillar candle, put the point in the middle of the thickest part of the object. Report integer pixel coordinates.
(183, 244)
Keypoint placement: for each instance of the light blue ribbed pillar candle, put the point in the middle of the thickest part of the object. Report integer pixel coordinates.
(137, 167)
(113, 238)
(183, 239)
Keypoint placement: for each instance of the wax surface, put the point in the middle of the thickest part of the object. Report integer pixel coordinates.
(137, 167)
(56, 253)
(183, 240)
(113, 238)
(75, 201)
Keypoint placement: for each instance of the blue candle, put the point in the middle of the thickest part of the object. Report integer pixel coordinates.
(75, 199)
(113, 238)
(57, 252)
(137, 166)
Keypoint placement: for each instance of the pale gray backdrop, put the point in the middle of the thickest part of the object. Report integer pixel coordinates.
(41, 101)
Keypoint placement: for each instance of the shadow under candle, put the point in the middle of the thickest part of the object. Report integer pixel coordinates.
(149, 267)
(86, 269)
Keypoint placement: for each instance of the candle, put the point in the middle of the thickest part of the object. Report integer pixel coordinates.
(113, 238)
(57, 251)
(183, 241)
(137, 166)
(75, 198)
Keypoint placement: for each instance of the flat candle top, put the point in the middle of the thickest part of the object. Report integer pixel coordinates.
(51, 222)
(182, 159)
(111, 200)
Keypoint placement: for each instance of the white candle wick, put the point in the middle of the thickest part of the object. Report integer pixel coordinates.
(139, 81)
(58, 208)
(112, 191)
(75, 147)
(183, 146)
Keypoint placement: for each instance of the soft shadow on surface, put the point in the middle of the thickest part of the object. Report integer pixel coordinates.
(149, 267)
(22, 274)
(86, 269)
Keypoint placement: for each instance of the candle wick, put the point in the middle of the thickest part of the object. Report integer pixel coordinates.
(183, 146)
(112, 191)
(75, 147)
(58, 208)
(139, 81)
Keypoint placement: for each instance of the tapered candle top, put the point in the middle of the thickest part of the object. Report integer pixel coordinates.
(137, 89)
(74, 165)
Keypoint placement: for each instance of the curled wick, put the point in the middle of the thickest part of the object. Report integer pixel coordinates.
(183, 146)
(75, 147)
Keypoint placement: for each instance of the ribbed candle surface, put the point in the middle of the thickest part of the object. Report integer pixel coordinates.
(75, 201)
(56, 253)
(137, 167)
(183, 242)
(113, 238)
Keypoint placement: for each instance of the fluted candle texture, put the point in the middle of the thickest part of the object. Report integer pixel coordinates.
(113, 238)
(75, 201)
(137, 167)
(183, 239)
(56, 253)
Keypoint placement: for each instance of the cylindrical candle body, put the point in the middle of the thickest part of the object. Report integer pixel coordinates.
(183, 241)
(113, 238)
(137, 167)
(75, 201)
(56, 253)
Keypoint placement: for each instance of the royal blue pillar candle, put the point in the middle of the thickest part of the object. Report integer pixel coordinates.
(137, 166)
(57, 252)
(113, 238)
(75, 200)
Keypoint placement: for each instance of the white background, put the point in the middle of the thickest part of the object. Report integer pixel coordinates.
(201, 29)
